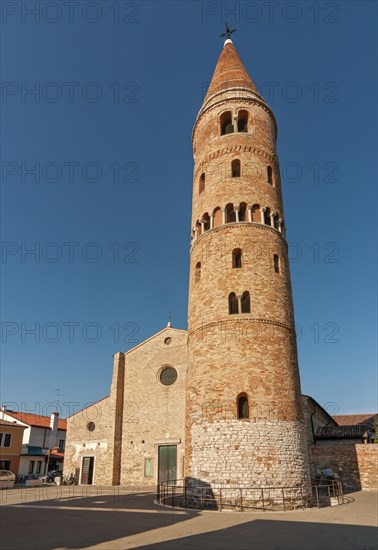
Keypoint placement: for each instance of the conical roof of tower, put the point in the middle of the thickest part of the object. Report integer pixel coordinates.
(229, 72)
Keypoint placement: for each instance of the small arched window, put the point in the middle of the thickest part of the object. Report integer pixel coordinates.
(235, 168)
(245, 302)
(270, 175)
(206, 222)
(237, 258)
(243, 121)
(226, 125)
(276, 263)
(232, 304)
(242, 212)
(276, 220)
(202, 183)
(267, 216)
(230, 214)
(197, 272)
(243, 408)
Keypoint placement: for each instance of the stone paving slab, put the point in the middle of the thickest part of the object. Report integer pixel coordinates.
(117, 519)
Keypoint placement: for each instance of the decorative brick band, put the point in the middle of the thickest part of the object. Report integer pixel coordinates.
(236, 149)
(239, 224)
(239, 319)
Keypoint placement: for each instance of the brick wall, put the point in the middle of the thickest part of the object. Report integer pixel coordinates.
(355, 464)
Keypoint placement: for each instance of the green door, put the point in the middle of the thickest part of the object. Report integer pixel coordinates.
(167, 463)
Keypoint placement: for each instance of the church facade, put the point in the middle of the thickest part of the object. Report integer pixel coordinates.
(221, 402)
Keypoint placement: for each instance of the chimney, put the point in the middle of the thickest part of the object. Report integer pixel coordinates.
(54, 430)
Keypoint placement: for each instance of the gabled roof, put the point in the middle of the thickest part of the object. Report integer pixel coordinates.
(340, 432)
(36, 419)
(165, 329)
(355, 419)
(12, 424)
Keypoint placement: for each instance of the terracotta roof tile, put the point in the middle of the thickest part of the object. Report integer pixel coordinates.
(355, 419)
(37, 420)
(340, 432)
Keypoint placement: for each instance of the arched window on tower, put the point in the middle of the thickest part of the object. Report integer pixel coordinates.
(243, 121)
(206, 222)
(242, 212)
(276, 263)
(226, 126)
(245, 302)
(276, 219)
(197, 273)
(270, 175)
(237, 258)
(230, 214)
(232, 304)
(199, 228)
(267, 216)
(202, 183)
(256, 213)
(217, 217)
(235, 168)
(243, 407)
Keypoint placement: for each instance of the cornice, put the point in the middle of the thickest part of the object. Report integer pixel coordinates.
(242, 318)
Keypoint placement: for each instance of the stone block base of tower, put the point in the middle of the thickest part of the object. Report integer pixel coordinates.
(248, 464)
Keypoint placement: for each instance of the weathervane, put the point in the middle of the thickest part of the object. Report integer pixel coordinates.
(228, 32)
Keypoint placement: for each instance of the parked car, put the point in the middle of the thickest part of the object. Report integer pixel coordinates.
(7, 479)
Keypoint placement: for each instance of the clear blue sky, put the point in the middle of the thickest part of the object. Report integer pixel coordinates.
(117, 89)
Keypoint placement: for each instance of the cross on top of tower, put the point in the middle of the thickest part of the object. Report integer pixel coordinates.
(228, 32)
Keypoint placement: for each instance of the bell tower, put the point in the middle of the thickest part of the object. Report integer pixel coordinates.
(243, 411)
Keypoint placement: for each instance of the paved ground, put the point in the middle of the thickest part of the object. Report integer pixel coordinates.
(66, 518)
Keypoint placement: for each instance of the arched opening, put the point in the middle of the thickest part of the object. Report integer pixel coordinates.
(232, 304)
(202, 183)
(267, 216)
(237, 258)
(226, 125)
(245, 302)
(235, 168)
(270, 175)
(199, 228)
(230, 214)
(242, 212)
(197, 272)
(217, 220)
(243, 407)
(243, 121)
(256, 214)
(276, 219)
(206, 222)
(276, 263)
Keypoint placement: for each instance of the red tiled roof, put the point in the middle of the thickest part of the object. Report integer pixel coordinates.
(13, 424)
(340, 432)
(355, 419)
(37, 420)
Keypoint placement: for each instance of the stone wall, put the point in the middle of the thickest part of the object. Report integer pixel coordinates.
(355, 464)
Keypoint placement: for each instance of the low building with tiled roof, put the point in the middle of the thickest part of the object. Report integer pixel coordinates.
(43, 440)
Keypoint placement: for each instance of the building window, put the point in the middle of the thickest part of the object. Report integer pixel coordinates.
(217, 217)
(230, 214)
(270, 175)
(5, 440)
(276, 262)
(233, 304)
(237, 258)
(39, 466)
(235, 168)
(167, 341)
(5, 464)
(168, 376)
(62, 444)
(243, 121)
(267, 216)
(148, 467)
(245, 302)
(202, 183)
(256, 214)
(276, 221)
(91, 426)
(31, 467)
(197, 272)
(243, 408)
(226, 123)
(206, 222)
(242, 212)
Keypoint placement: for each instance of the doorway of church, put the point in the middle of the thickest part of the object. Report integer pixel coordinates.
(167, 461)
(87, 470)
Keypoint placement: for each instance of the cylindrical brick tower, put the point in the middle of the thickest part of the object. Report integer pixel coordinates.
(244, 417)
